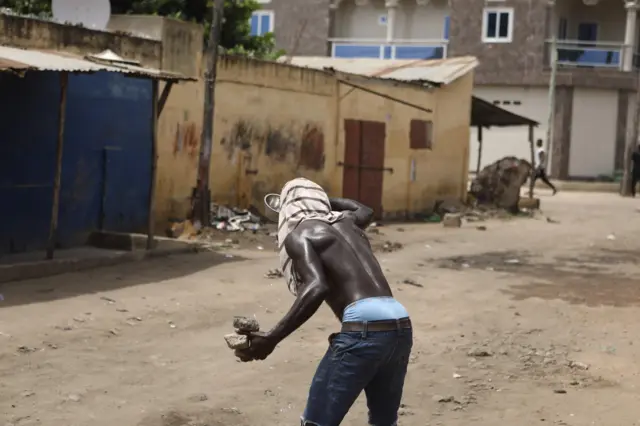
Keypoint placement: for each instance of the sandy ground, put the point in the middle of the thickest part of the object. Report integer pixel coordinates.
(529, 322)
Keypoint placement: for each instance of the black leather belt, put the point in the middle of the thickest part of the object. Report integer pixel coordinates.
(386, 325)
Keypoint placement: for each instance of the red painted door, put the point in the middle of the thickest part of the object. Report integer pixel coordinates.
(364, 163)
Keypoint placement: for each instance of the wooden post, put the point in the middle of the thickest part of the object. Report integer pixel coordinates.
(55, 209)
(154, 164)
(533, 162)
(479, 150)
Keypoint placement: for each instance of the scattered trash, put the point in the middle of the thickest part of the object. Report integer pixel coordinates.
(559, 391)
(389, 247)
(108, 300)
(260, 248)
(124, 311)
(27, 394)
(232, 410)
(74, 397)
(481, 228)
(233, 220)
(412, 282)
(171, 324)
(549, 220)
(512, 262)
(273, 274)
(26, 350)
(578, 365)
(611, 237)
(137, 319)
(457, 376)
(114, 332)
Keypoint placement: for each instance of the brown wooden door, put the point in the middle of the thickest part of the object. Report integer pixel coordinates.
(364, 163)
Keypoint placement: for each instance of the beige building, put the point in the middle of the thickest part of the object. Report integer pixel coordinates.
(371, 130)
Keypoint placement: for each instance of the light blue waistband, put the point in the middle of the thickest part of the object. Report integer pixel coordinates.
(374, 309)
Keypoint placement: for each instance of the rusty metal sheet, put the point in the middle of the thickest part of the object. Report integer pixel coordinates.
(440, 71)
(12, 59)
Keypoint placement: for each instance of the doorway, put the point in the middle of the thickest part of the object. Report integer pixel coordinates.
(364, 163)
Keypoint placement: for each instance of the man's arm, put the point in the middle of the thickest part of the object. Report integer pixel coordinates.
(362, 215)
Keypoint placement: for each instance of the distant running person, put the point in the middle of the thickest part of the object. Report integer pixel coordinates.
(326, 257)
(541, 167)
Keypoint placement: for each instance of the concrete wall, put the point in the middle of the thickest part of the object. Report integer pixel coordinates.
(277, 122)
(38, 34)
(269, 117)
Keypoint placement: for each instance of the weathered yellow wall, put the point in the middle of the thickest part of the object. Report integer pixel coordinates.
(439, 173)
(397, 192)
(40, 34)
(453, 120)
(265, 111)
(180, 123)
(272, 120)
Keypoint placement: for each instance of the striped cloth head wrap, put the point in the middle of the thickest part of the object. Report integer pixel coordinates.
(300, 200)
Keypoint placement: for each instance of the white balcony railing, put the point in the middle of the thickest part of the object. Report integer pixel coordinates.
(589, 54)
(382, 49)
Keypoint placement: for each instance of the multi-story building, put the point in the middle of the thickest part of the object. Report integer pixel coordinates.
(597, 43)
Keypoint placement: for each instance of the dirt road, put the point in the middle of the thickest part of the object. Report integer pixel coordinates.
(528, 322)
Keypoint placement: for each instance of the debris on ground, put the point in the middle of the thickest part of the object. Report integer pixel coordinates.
(578, 365)
(452, 220)
(412, 282)
(390, 246)
(499, 184)
(273, 274)
(479, 353)
(230, 219)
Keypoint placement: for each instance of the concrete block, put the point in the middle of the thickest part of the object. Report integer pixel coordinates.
(529, 203)
(452, 220)
(246, 324)
(237, 341)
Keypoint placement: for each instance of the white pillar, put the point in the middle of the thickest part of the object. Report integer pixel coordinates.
(630, 35)
(391, 6)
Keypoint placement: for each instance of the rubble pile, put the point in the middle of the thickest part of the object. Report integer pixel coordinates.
(499, 184)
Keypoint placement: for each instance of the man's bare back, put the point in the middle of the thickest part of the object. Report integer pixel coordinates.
(353, 272)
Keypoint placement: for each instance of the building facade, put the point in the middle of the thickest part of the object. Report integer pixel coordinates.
(597, 44)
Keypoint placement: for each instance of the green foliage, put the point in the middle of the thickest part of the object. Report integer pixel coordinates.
(236, 28)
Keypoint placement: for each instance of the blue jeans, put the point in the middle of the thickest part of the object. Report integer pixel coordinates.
(375, 362)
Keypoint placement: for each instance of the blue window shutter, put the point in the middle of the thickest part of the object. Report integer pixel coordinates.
(254, 25)
(265, 24)
(447, 21)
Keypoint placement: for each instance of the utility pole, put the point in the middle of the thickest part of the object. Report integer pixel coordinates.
(206, 142)
(631, 142)
(553, 58)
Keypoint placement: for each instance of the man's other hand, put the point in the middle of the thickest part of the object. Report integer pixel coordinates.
(261, 346)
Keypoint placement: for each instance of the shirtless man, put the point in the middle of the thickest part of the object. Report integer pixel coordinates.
(327, 258)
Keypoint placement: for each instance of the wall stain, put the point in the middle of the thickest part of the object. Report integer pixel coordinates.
(312, 148)
(187, 140)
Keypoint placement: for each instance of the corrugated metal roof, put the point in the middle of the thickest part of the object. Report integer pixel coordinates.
(441, 71)
(14, 59)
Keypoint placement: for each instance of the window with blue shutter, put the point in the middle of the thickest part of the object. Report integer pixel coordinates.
(261, 22)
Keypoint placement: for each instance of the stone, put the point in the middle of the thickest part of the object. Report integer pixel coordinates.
(479, 353)
(499, 184)
(237, 341)
(452, 220)
(246, 324)
(578, 365)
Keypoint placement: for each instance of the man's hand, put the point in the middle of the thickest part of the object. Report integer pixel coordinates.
(261, 346)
